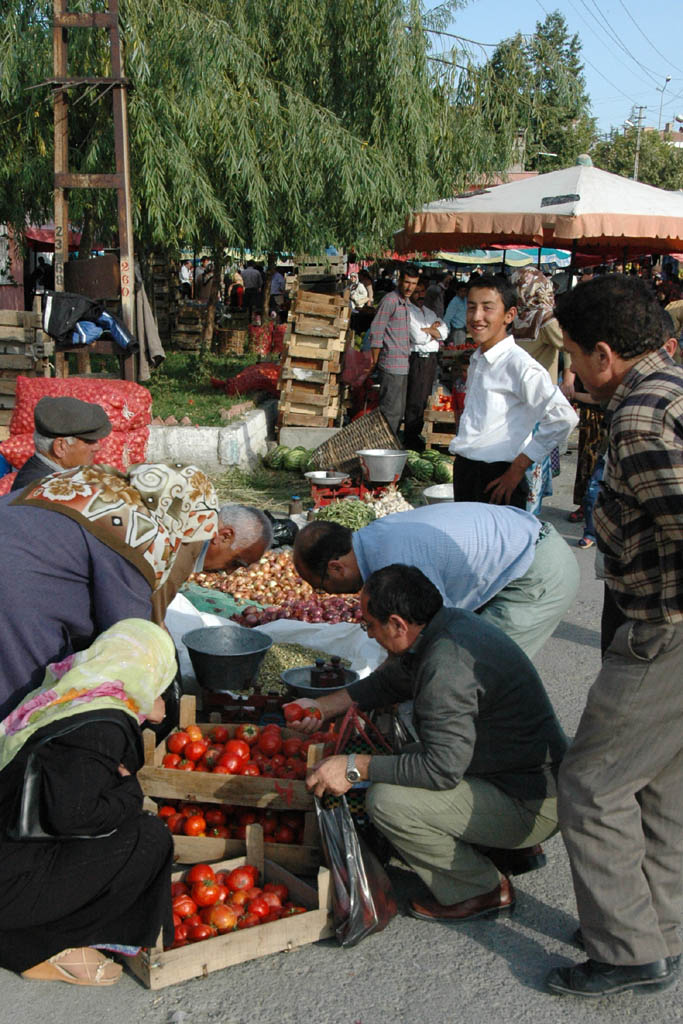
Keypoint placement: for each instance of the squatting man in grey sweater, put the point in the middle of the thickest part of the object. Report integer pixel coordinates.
(460, 805)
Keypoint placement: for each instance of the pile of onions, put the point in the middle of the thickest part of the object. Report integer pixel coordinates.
(274, 582)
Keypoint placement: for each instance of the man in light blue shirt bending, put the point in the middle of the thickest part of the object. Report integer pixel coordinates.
(498, 560)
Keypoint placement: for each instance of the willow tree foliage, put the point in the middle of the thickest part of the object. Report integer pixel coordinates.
(255, 123)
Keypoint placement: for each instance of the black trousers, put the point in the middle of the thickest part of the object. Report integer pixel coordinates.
(470, 478)
(420, 382)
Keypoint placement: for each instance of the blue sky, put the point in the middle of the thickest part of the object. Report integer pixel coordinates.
(622, 67)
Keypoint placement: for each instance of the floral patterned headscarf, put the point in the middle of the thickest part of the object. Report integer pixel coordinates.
(126, 669)
(144, 516)
(536, 302)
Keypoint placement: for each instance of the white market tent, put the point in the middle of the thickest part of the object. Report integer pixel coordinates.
(580, 208)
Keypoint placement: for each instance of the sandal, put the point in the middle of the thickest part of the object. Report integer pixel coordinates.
(586, 542)
(81, 966)
(577, 515)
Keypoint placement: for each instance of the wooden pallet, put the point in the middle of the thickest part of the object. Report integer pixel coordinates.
(440, 427)
(24, 349)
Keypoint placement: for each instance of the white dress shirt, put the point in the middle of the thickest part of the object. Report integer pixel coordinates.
(421, 342)
(508, 394)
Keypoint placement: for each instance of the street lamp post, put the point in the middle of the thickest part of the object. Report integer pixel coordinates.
(661, 88)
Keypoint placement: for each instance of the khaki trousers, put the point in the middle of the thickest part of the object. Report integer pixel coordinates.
(621, 799)
(434, 831)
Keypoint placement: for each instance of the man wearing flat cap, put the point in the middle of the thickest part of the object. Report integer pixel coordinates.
(66, 434)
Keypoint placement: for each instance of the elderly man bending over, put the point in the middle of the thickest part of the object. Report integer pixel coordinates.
(484, 772)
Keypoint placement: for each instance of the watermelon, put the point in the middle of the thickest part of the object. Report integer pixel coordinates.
(422, 470)
(292, 459)
(277, 457)
(443, 472)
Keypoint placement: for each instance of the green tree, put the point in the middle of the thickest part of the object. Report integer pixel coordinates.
(659, 163)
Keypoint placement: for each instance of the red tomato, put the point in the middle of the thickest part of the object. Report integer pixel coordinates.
(313, 713)
(247, 818)
(290, 910)
(194, 732)
(218, 831)
(278, 760)
(223, 893)
(269, 823)
(195, 826)
(220, 769)
(176, 823)
(166, 810)
(200, 932)
(252, 892)
(284, 835)
(240, 878)
(206, 892)
(231, 761)
(291, 819)
(249, 768)
(212, 755)
(272, 899)
(195, 749)
(270, 742)
(185, 766)
(199, 873)
(238, 747)
(215, 816)
(268, 771)
(248, 921)
(176, 742)
(223, 919)
(300, 770)
(259, 907)
(293, 712)
(286, 773)
(179, 889)
(170, 761)
(179, 936)
(189, 810)
(219, 734)
(239, 898)
(239, 832)
(248, 732)
(292, 747)
(184, 906)
(278, 889)
(201, 766)
(272, 727)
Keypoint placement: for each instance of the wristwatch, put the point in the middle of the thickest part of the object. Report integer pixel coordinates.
(352, 773)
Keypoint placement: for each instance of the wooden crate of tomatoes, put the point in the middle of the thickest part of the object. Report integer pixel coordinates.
(233, 911)
(211, 780)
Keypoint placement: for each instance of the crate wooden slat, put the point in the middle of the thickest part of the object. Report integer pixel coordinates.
(24, 349)
(207, 849)
(440, 427)
(314, 394)
(158, 968)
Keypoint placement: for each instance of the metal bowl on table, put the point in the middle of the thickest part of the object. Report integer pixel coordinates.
(299, 681)
(321, 478)
(438, 493)
(382, 465)
(226, 658)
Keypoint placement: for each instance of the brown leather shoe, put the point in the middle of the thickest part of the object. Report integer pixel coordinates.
(500, 898)
(516, 862)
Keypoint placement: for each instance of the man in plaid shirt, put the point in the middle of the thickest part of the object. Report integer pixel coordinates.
(390, 344)
(620, 795)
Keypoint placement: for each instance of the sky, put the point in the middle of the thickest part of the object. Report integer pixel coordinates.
(625, 58)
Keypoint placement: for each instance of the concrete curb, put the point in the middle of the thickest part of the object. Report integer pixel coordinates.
(215, 448)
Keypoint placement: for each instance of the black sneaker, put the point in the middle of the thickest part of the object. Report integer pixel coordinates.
(593, 979)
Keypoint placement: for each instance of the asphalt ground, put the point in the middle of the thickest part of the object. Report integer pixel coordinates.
(488, 971)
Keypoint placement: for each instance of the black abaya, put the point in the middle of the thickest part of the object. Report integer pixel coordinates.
(81, 892)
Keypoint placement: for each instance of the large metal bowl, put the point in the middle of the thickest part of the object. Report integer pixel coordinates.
(226, 658)
(299, 681)
(438, 493)
(382, 465)
(323, 479)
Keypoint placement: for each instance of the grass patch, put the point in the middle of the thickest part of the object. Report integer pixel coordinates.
(264, 488)
(181, 386)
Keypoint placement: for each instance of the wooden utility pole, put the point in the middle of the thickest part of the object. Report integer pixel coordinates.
(107, 20)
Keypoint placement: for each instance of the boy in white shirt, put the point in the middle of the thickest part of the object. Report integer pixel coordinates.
(514, 415)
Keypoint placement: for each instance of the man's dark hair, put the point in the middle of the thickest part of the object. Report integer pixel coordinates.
(402, 590)
(318, 543)
(499, 284)
(409, 270)
(620, 310)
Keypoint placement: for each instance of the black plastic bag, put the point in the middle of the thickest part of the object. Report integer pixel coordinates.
(284, 531)
(362, 898)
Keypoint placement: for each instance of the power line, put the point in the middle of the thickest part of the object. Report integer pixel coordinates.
(615, 39)
(649, 41)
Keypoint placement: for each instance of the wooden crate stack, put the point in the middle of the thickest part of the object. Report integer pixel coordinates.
(161, 297)
(189, 324)
(440, 425)
(309, 379)
(24, 349)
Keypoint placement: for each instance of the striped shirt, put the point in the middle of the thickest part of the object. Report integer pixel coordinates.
(639, 515)
(390, 331)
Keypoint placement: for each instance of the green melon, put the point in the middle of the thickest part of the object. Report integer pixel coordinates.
(422, 470)
(443, 472)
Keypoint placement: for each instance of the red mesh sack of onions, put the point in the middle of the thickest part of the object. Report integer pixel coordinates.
(259, 377)
(18, 449)
(127, 404)
(6, 482)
